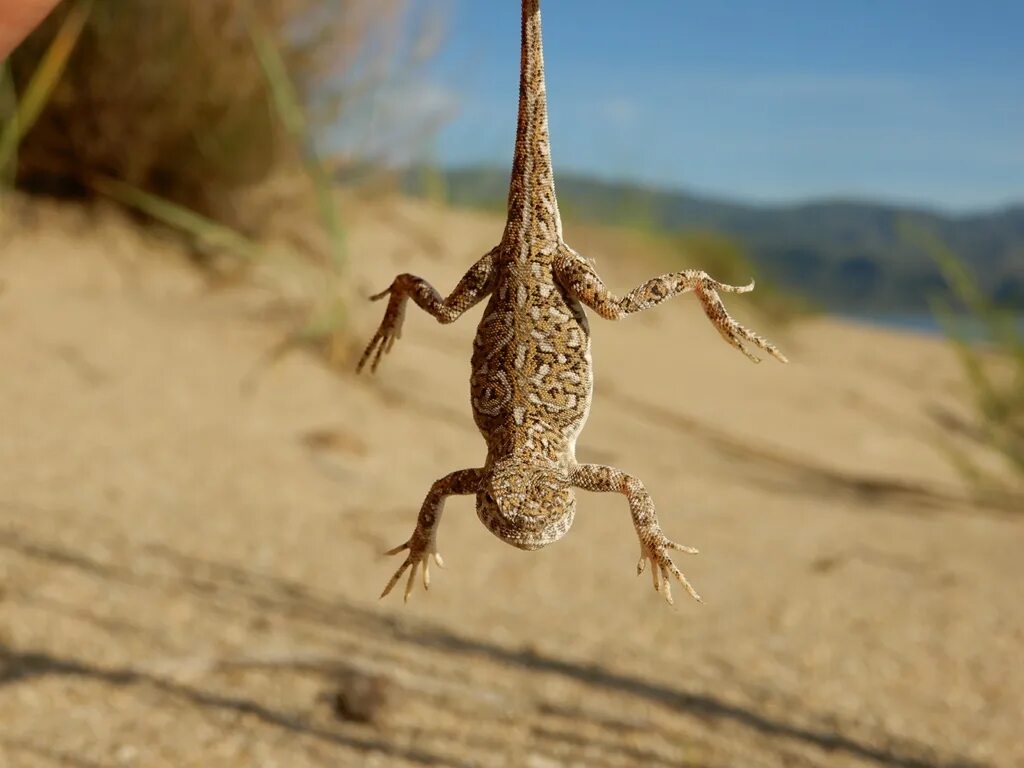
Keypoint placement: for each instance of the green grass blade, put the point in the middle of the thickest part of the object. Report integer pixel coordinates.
(288, 105)
(8, 108)
(173, 215)
(43, 81)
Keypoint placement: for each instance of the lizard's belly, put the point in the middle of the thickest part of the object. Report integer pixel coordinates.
(531, 380)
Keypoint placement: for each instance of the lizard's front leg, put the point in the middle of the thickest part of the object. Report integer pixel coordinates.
(475, 284)
(579, 278)
(423, 542)
(654, 545)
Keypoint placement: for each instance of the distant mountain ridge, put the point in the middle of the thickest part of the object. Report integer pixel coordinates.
(849, 256)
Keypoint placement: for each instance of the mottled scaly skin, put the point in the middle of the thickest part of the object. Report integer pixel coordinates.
(531, 383)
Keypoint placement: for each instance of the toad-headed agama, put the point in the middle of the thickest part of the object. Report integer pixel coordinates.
(531, 381)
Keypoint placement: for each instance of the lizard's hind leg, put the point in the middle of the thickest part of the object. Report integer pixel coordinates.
(654, 545)
(423, 543)
(579, 278)
(475, 284)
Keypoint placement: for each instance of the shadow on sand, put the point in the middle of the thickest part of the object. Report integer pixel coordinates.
(350, 628)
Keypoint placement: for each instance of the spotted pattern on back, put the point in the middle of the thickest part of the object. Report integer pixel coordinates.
(531, 382)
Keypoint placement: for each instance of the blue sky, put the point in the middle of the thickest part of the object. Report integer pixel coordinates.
(902, 100)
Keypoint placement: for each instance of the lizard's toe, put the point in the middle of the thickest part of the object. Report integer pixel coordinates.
(418, 558)
(663, 570)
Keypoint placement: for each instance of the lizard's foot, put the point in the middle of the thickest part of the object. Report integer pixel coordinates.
(390, 327)
(735, 334)
(654, 547)
(419, 555)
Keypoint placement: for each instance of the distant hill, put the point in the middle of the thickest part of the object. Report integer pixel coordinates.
(848, 256)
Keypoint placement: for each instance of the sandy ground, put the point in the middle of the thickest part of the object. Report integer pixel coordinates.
(189, 568)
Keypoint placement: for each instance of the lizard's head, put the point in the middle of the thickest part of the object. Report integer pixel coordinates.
(526, 506)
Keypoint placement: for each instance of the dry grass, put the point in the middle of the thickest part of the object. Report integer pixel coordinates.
(211, 117)
(185, 99)
(990, 348)
(995, 376)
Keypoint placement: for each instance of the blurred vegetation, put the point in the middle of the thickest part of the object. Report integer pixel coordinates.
(993, 368)
(20, 114)
(212, 117)
(195, 102)
(846, 256)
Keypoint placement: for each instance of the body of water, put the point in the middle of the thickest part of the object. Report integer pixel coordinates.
(926, 323)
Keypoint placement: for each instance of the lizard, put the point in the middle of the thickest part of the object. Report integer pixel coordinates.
(531, 382)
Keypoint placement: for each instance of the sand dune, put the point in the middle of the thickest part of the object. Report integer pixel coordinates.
(189, 568)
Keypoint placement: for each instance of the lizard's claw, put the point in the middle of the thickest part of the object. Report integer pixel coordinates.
(419, 555)
(655, 551)
(390, 328)
(734, 333)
